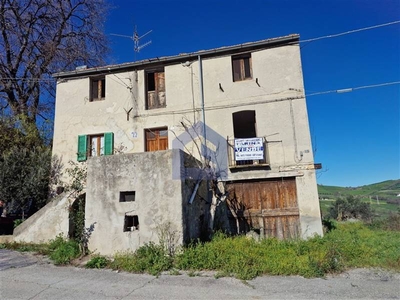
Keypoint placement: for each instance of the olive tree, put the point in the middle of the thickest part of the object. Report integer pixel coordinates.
(350, 207)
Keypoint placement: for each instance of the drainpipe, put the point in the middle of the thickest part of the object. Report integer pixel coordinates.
(202, 102)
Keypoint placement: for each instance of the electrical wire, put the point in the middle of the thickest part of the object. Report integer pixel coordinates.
(349, 32)
(28, 79)
(353, 88)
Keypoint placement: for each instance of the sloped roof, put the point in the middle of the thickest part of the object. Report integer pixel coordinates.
(250, 46)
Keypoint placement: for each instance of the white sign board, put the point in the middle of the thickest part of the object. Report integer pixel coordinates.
(249, 149)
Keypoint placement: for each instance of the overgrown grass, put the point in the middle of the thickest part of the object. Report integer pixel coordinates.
(61, 251)
(98, 262)
(350, 245)
(149, 258)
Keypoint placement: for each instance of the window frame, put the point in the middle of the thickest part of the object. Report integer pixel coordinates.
(131, 223)
(158, 88)
(85, 148)
(101, 88)
(127, 196)
(157, 137)
(239, 66)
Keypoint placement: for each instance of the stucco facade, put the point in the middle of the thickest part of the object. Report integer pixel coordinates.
(243, 91)
(160, 201)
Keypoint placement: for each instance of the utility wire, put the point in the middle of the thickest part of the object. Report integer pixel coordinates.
(349, 32)
(27, 79)
(302, 41)
(354, 88)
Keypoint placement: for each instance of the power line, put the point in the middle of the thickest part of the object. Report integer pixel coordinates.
(346, 90)
(27, 79)
(349, 32)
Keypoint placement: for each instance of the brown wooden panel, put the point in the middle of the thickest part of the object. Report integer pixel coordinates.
(267, 205)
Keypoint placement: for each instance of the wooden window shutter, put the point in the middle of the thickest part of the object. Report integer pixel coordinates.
(108, 143)
(236, 70)
(82, 148)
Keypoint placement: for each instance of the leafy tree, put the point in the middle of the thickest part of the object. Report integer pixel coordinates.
(27, 170)
(39, 38)
(350, 207)
(16, 132)
(23, 178)
(42, 37)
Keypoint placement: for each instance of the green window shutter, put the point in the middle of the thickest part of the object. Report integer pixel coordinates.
(82, 147)
(108, 143)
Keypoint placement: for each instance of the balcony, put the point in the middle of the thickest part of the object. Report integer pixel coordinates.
(250, 153)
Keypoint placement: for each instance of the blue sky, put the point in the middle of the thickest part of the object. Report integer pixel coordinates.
(356, 134)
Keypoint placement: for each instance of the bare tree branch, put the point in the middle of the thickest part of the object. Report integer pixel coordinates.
(41, 37)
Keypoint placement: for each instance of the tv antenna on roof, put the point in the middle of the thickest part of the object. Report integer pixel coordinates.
(136, 40)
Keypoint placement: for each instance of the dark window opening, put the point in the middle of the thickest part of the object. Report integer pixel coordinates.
(241, 67)
(155, 90)
(151, 83)
(98, 89)
(127, 196)
(244, 124)
(131, 223)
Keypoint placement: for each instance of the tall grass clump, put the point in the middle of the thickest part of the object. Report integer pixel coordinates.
(246, 258)
(150, 258)
(98, 262)
(62, 251)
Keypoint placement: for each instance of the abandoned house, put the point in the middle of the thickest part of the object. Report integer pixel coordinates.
(138, 125)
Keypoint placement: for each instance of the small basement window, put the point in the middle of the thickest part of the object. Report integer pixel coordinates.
(131, 223)
(127, 196)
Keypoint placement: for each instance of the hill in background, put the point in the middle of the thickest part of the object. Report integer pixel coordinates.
(382, 195)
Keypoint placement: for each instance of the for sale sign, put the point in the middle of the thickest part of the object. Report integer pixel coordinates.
(249, 149)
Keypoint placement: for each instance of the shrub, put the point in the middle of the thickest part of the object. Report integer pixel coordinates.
(62, 251)
(98, 262)
(392, 222)
(350, 207)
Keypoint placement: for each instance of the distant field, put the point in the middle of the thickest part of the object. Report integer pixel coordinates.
(377, 194)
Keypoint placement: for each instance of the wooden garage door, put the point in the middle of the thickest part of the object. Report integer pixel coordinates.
(268, 207)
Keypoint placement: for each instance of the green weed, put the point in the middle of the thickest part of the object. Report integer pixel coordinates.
(348, 246)
(149, 258)
(62, 251)
(98, 262)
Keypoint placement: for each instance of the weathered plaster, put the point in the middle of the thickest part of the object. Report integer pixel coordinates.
(46, 224)
(160, 199)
